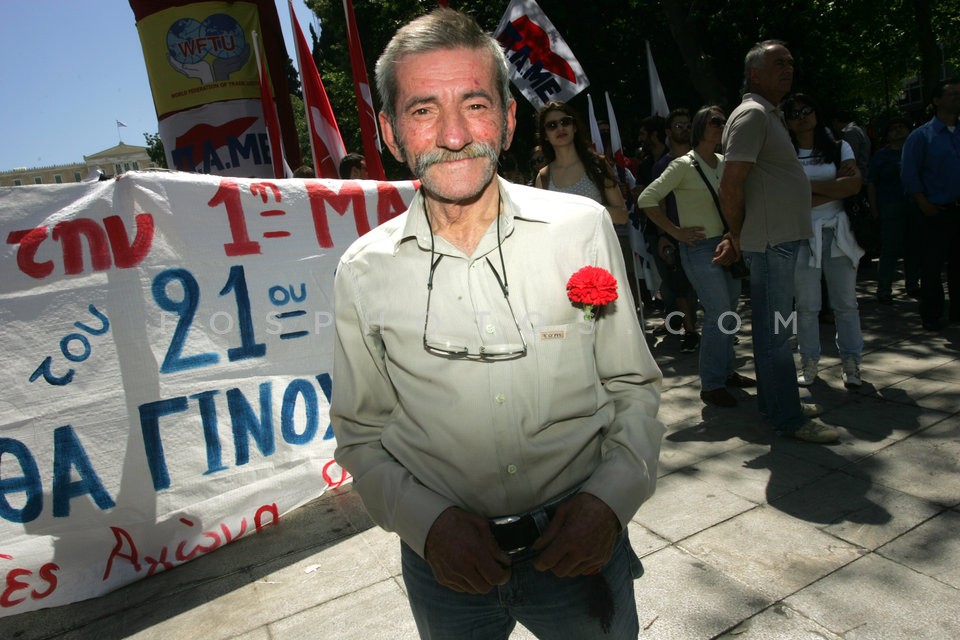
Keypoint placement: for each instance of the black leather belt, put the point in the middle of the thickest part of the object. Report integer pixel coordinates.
(516, 533)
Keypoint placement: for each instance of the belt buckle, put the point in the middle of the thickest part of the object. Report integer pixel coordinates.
(514, 533)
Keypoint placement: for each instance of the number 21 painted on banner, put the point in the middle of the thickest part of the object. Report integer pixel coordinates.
(186, 309)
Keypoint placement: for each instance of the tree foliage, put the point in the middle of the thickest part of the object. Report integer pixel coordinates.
(155, 149)
(854, 54)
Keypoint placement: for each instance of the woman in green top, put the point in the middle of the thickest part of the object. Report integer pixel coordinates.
(701, 229)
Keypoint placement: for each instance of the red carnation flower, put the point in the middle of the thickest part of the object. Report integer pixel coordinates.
(591, 287)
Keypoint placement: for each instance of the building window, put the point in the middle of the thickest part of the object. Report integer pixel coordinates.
(58, 179)
(76, 176)
(37, 180)
(136, 165)
(117, 169)
(126, 166)
(17, 183)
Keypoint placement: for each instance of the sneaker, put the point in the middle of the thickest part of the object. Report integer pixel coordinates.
(808, 372)
(851, 373)
(689, 342)
(811, 410)
(815, 431)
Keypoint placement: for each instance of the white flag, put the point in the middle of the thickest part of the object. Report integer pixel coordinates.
(658, 101)
(121, 124)
(541, 64)
(616, 146)
(594, 127)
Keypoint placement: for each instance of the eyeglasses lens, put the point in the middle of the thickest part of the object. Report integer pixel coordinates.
(562, 122)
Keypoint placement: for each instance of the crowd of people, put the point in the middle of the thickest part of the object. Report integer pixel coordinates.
(840, 162)
(495, 398)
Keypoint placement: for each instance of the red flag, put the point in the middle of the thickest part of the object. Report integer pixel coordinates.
(270, 118)
(361, 86)
(325, 139)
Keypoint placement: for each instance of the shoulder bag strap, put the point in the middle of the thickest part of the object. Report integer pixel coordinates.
(716, 198)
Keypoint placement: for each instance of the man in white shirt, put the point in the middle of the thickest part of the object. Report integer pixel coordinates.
(506, 439)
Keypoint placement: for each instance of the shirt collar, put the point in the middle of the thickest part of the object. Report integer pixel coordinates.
(416, 226)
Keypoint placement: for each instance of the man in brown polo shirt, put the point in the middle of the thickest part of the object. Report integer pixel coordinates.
(765, 197)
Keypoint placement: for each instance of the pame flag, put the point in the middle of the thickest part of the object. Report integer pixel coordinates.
(541, 64)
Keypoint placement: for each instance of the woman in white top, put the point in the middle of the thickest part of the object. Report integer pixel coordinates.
(832, 252)
(701, 229)
(572, 167)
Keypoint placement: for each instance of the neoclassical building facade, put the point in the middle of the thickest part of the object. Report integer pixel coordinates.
(107, 163)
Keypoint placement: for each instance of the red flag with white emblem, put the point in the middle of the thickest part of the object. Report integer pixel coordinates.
(325, 139)
(269, 111)
(361, 86)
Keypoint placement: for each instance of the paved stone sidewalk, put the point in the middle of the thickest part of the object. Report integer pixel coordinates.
(748, 536)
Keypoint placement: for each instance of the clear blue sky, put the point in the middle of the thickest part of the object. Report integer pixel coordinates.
(72, 69)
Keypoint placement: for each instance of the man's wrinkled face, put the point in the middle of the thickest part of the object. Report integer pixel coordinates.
(450, 125)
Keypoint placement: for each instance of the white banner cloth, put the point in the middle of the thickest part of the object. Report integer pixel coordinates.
(167, 348)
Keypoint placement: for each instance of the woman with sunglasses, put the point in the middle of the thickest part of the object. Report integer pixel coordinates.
(572, 167)
(832, 253)
(701, 229)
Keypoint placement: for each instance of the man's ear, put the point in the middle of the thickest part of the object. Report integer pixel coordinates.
(389, 137)
(511, 124)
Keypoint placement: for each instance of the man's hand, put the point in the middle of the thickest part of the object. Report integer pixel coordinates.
(727, 251)
(579, 539)
(463, 553)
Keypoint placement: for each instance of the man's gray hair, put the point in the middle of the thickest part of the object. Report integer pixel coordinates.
(440, 29)
(756, 58)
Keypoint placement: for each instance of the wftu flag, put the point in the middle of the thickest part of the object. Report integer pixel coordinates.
(541, 64)
(325, 139)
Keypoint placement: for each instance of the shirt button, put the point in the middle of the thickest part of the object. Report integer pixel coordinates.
(511, 468)
(490, 328)
(500, 398)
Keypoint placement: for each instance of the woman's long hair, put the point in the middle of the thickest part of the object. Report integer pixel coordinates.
(595, 164)
(824, 146)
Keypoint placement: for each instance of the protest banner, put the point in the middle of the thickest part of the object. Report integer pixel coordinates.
(167, 344)
(206, 90)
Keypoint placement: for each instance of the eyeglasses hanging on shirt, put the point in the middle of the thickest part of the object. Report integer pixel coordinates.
(451, 348)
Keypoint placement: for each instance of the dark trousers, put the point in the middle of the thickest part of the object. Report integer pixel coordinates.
(941, 238)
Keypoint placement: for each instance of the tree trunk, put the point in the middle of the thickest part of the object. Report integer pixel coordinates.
(700, 66)
(929, 51)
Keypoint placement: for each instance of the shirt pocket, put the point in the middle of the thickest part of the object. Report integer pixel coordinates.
(568, 384)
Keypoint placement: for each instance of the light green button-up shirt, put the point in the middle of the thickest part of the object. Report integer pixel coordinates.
(421, 433)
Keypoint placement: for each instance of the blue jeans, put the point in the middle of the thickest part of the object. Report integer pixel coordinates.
(895, 243)
(771, 298)
(718, 294)
(550, 607)
(841, 275)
